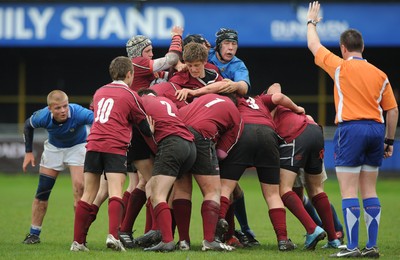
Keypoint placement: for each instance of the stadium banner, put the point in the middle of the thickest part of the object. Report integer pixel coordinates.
(258, 24)
(12, 153)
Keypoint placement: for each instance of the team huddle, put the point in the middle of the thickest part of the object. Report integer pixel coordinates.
(164, 122)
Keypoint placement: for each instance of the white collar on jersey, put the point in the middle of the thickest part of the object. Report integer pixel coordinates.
(120, 82)
(355, 58)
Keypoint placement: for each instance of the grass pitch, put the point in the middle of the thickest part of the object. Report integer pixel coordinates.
(17, 192)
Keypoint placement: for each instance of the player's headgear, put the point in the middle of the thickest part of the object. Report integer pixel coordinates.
(225, 34)
(194, 38)
(136, 45)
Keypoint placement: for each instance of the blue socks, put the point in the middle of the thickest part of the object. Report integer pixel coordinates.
(240, 213)
(35, 230)
(372, 216)
(351, 214)
(336, 221)
(311, 211)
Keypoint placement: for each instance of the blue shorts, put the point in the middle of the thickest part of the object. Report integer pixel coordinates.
(359, 143)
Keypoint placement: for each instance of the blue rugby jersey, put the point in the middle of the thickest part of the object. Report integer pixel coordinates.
(234, 70)
(66, 134)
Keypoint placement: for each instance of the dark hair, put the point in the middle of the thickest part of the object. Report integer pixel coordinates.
(352, 40)
(146, 91)
(193, 38)
(232, 96)
(225, 34)
(119, 67)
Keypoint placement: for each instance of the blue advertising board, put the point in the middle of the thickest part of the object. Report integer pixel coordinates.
(258, 24)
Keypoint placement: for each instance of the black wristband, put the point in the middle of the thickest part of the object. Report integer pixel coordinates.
(389, 141)
(312, 21)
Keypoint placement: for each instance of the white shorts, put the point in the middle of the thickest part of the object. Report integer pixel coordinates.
(301, 182)
(58, 158)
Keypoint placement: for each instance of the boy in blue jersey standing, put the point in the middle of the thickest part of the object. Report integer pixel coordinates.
(236, 76)
(65, 146)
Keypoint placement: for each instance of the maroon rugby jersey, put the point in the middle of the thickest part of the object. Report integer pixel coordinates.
(116, 108)
(185, 80)
(168, 90)
(167, 119)
(290, 125)
(257, 110)
(143, 73)
(215, 117)
(211, 66)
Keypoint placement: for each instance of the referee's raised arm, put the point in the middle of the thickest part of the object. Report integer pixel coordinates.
(313, 41)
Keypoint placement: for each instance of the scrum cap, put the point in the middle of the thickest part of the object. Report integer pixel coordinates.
(197, 38)
(225, 34)
(136, 45)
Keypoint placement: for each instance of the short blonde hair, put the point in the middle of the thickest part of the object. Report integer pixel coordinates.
(56, 96)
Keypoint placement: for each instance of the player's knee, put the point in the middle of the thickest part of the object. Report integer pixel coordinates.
(238, 192)
(45, 186)
(78, 190)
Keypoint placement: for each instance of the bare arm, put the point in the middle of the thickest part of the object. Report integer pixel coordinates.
(392, 117)
(230, 86)
(242, 87)
(212, 88)
(313, 41)
(283, 100)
